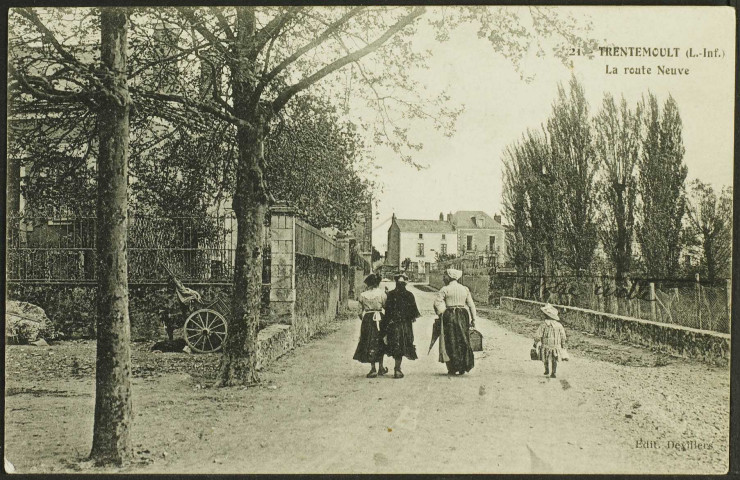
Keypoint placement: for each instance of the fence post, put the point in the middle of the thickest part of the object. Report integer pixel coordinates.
(592, 296)
(728, 287)
(653, 312)
(698, 301)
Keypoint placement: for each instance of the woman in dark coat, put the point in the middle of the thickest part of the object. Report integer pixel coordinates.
(370, 348)
(400, 313)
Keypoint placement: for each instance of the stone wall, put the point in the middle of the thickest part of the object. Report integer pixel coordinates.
(272, 342)
(704, 345)
(318, 292)
(435, 280)
(478, 285)
(309, 283)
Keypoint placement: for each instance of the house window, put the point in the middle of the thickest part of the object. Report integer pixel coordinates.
(492, 243)
(421, 235)
(420, 250)
(443, 249)
(444, 237)
(469, 243)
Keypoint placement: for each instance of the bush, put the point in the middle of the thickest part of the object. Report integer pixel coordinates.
(72, 310)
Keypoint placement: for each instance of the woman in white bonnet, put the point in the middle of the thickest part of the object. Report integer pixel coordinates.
(451, 305)
(551, 336)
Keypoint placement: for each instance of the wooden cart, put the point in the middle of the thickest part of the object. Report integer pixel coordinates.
(205, 326)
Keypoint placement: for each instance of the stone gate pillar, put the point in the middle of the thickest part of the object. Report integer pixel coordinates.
(282, 268)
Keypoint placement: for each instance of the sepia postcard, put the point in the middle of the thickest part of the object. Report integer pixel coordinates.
(369, 239)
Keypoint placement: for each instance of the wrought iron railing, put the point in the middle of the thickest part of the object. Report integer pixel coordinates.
(62, 249)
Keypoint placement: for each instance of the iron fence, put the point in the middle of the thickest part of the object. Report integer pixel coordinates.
(62, 249)
(686, 302)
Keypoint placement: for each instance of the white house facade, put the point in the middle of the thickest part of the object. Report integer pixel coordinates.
(419, 241)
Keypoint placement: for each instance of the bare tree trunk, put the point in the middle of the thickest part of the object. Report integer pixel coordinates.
(111, 440)
(709, 257)
(239, 360)
(622, 246)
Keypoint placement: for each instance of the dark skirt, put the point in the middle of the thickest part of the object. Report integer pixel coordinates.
(400, 337)
(456, 340)
(370, 347)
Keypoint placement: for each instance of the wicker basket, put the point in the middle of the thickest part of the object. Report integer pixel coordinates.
(476, 340)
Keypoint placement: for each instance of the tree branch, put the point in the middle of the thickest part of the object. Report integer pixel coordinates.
(194, 104)
(47, 92)
(222, 21)
(31, 16)
(266, 79)
(271, 30)
(187, 12)
(289, 92)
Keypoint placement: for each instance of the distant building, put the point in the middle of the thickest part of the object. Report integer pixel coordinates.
(478, 233)
(463, 233)
(419, 241)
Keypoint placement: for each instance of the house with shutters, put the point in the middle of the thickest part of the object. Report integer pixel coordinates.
(420, 241)
(464, 233)
(478, 233)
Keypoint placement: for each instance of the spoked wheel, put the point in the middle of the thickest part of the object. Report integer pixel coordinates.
(205, 330)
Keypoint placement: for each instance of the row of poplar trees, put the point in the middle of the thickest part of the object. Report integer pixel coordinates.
(615, 180)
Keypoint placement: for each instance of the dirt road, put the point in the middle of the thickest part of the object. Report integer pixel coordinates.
(317, 413)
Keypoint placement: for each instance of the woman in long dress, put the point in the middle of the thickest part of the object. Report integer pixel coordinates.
(452, 304)
(370, 348)
(400, 312)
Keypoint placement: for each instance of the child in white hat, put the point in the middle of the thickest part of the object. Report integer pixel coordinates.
(551, 336)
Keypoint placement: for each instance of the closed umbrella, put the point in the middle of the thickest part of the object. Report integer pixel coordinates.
(438, 331)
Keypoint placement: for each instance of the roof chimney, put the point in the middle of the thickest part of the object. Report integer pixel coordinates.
(497, 218)
(441, 217)
(449, 217)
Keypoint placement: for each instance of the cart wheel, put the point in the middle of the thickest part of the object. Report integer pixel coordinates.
(205, 330)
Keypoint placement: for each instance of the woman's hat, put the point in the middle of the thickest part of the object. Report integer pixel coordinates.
(401, 277)
(372, 279)
(454, 274)
(550, 311)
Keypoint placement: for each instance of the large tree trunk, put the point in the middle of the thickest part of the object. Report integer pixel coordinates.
(239, 360)
(111, 440)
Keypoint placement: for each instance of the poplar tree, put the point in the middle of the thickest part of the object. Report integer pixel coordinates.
(575, 166)
(618, 141)
(662, 173)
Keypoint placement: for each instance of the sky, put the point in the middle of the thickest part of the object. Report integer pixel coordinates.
(463, 172)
